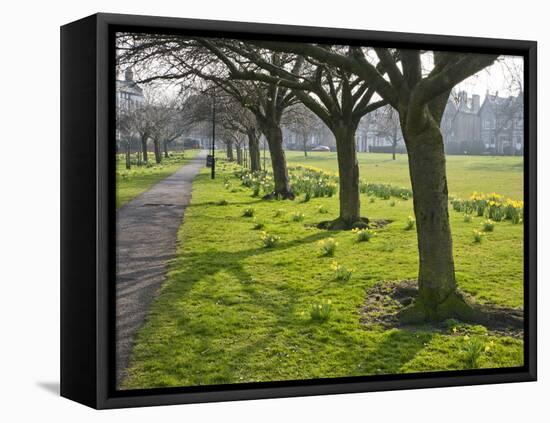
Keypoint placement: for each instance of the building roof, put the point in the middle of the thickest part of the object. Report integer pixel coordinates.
(494, 102)
(129, 87)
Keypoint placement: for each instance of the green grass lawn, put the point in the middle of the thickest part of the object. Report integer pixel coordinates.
(233, 311)
(465, 174)
(131, 183)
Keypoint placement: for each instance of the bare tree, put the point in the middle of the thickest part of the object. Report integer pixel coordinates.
(387, 125)
(419, 95)
(175, 58)
(124, 128)
(337, 96)
(234, 117)
(302, 122)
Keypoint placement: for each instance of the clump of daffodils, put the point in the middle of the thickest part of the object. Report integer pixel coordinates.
(473, 349)
(321, 312)
(363, 234)
(327, 246)
(341, 272)
(269, 240)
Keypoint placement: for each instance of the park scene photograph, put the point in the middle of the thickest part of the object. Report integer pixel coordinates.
(290, 211)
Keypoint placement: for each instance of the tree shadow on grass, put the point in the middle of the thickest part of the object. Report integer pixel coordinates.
(397, 349)
(254, 200)
(193, 267)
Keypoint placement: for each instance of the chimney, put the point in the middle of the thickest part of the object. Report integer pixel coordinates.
(129, 75)
(462, 100)
(475, 103)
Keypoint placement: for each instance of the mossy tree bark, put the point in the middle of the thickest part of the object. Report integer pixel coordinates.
(254, 149)
(156, 147)
(229, 150)
(438, 297)
(239, 154)
(144, 147)
(274, 135)
(348, 174)
(127, 155)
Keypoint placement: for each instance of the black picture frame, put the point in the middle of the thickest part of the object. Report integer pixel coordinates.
(87, 210)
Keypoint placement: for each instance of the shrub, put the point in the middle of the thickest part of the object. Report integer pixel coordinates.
(321, 312)
(258, 225)
(488, 225)
(372, 200)
(384, 191)
(341, 273)
(392, 203)
(269, 240)
(279, 213)
(223, 202)
(492, 206)
(312, 182)
(248, 212)
(514, 211)
(478, 236)
(410, 223)
(363, 234)
(467, 217)
(297, 217)
(258, 180)
(322, 209)
(328, 247)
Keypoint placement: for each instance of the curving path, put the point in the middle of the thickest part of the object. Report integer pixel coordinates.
(146, 237)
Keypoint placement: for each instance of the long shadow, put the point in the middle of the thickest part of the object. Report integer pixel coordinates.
(206, 264)
(255, 200)
(397, 349)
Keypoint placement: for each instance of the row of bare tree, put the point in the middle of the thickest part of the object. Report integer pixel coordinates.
(263, 80)
(160, 120)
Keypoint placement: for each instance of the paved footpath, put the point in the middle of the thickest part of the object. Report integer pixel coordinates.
(146, 234)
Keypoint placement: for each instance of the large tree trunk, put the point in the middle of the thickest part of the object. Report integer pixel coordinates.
(128, 158)
(239, 154)
(254, 149)
(438, 298)
(274, 136)
(229, 150)
(144, 148)
(165, 145)
(348, 171)
(158, 155)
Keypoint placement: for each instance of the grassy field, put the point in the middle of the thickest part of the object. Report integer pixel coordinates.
(233, 311)
(131, 183)
(503, 175)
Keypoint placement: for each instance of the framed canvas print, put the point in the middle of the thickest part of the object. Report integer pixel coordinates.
(255, 211)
